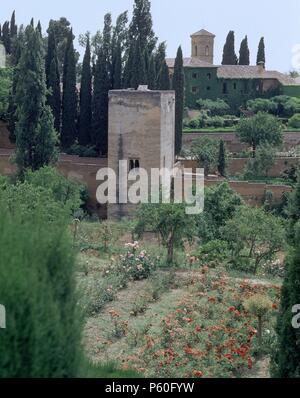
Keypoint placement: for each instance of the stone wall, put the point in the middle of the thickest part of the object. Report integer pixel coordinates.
(291, 139)
(4, 136)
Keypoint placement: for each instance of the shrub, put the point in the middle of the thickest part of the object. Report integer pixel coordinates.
(213, 252)
(38, 289)
(262, 105)
(215, 121)
(194, 124)
(294, 121)
(215, 108)
(83, 151)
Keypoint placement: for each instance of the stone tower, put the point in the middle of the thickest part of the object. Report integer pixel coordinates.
(142, 132)
(203, 46)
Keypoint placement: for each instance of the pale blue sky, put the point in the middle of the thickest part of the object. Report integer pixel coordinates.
(175, 20)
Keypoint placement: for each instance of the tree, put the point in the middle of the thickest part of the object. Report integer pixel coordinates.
(253, 235)
(286, 358)
(35, 134)
(220, 205)
(262, 163)
(6, 77)
(53, 80)
(293, 208)
(205, 152)
(244, 52)
(138, 75)
(6, 37)
(229, 55)
(260, 129)
(261, 56)
(141, 26)
(159, 60)
(61, 29)
(13, 26)
(222, 159)
(170, 222)
(178, 86)
(100, 105)
(164, 77)
(69, 100)
(85, 118)
(117, 68)
(151, 74)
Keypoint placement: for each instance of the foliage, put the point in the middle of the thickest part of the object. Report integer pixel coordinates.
(213, 253)
(260, 129)
(287, 106)
(205, 152)
(244, 58)
(229, 55)
(82, 151)
(5, 87)
(178, 87)
(222, 159)
(262, 163)
(169, 221)
(262, 105)
(218, 107)
(254, 237)
(220, 204)
(294, 121)
(35, 134)
(261, 55)
(286, 358)
(37, 273)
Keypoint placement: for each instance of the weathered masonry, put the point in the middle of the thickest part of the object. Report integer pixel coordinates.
(234, 83)
(141, 132)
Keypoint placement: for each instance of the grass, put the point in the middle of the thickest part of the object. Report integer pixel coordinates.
(226, 130)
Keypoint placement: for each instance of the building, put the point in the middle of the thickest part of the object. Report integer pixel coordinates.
(234, 83)
(2, 56)
(142, 133)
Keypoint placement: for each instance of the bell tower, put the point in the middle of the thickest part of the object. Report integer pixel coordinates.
(203, 46)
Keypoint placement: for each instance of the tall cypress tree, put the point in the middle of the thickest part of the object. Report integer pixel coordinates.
(286, 358)
(244, 52)
(6, 37)
(178, 86)
(138, 75)
(151, 74)
(141, 27)
(222, 159)
(85, 118)
(261, 55)
(100, 105)
(69, 100)
(35, 134)
(164, 77)
(117, 68)
(13, 26)
(229, 55)
(53, 80)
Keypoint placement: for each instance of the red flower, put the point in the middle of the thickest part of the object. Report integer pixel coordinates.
(198, 329)
(231, 309)
(198, 373)
(275, 306)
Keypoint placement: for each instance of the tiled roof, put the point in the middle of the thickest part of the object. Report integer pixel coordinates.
(190, 63)
(252, 72)
(203, 32)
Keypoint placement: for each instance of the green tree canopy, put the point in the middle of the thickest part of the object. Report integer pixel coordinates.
(229, 55)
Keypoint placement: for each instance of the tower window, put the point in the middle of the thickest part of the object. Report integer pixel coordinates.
(207, 51)
(208, 88)
(195, 75)
(209, 76)
(196, 51)
(134, 164)
(234, 86)
(225, 88)
(195, 90)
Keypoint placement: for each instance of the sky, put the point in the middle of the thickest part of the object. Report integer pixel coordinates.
(175, 20)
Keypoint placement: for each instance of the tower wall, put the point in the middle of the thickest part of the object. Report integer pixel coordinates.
(203, 48)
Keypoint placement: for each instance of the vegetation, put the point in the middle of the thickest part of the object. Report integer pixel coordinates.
(178, 86)
(205, 151)
(261, 56)
(244, 58)
(229, 55)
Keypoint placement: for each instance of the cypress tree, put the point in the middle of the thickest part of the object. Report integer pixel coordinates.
(35, 134)
(244, 52)
(164, 77)
(141, 27)
(53, 80)
(222, 159)
(178, 86)
(229, 55)
(286, 359)
(138, 75)
(152, 74)
(159, 56)
(69, 100)
(13, 26)
(85, 118)
(6, 37)
(117, 68)
(100, 105)
(261, 55)
(128, 70)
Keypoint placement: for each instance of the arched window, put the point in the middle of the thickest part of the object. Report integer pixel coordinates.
(206, 51)
(196, 51)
